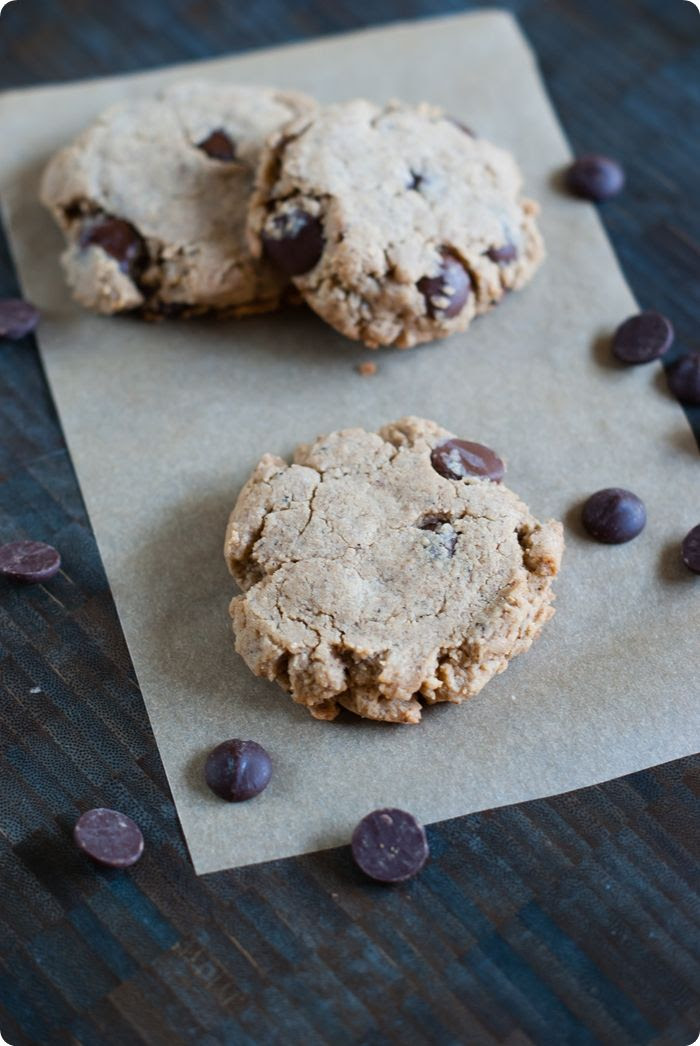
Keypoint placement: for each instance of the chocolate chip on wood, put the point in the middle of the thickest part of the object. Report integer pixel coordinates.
(109, 837)
(17, 318)
(29, 561)
(389, 845)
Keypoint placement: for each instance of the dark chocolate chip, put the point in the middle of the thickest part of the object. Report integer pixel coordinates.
(109, 837)
(690, 550)
(684, 378)
(17, 318)
(29, 561)
(237, 770)
(297, 242)
(614, 515)
(458, 458)
(462, 126)
(117, 238)
(446, 294)
(595, 177)
(508, 252)
(218, 146)
(416, 181)
(642, 338)
(389, 845)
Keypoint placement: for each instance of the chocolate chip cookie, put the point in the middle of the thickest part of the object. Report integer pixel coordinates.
(396, 224)
(153, 200)
(384, 571)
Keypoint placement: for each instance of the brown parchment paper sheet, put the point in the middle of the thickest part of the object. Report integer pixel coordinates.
(164, 423)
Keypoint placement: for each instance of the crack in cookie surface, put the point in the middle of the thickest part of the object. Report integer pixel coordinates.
(378, 583)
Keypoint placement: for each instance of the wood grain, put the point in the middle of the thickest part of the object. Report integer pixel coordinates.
(572, 920)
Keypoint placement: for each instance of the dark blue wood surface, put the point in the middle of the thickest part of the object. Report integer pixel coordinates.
(569, 920)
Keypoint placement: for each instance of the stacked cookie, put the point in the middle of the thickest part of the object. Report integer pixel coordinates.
(395, 224)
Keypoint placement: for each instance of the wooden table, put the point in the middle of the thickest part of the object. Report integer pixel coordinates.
(568, 920)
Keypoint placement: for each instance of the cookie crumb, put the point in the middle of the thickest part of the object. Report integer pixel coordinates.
(367, 368)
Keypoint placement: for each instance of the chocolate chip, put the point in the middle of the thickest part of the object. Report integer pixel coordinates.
(117, 238)
(389, 845)
(218, 146)
(508, 252)
(595, 177)
(446, 294)
(17, 318)
(690, 550)
(29, 561)
(237, 770)
(614, 515)
(642, 338)
(416, 181)
(458, 458)
(109, 837)
(684, 378)
(297, 242)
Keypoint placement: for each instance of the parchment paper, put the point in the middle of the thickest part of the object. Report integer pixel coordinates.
(164, 423)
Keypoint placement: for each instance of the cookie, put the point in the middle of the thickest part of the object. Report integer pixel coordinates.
(153, 198)
(380, 572)
(396, 224)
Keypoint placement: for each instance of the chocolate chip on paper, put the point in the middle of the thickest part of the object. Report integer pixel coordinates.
(238, 770)
(595, 177)
(642, 338)
(690, 550)
(614, 515)
(389, 845)
(109, 837)
(684, 379)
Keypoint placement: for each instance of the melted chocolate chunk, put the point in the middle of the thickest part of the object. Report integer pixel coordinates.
(504, 254)
(117, 238)
(458, 458)
(446, 293)
(218, 146)
(296, 242)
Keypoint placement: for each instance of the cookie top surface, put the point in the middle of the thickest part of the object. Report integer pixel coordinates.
(396, 224)
(370, 577)
(177, 169)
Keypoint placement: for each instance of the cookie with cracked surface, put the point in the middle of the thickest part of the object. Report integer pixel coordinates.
(396, 224)
(153, 198)
(386, 570)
